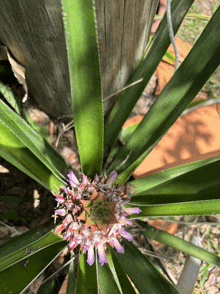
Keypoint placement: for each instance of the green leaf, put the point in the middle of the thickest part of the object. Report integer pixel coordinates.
(71, 278)
(145, 70)
(19, 276)
(144, 184)
(86, 277)
(28, 250)
(195, 70)
(205, 207)
(15, 152)
(119, 274)
(201, 183)
(146, 278)
(180, 244)
(47, 287)
(32, 140)
(106, 280)
(83, 56)
(28, 151)
(21, 241)
(10, 97)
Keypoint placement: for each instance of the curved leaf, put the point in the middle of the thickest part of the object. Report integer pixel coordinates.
(19, 276)
(32, 140)
(141, 186)
(28, 250)
(180, 244)
(82, 48)
(15, 152)
(146, 278)
(198, 66)
(201, 183)
(21, 241)
(145, 70)
(28, 151)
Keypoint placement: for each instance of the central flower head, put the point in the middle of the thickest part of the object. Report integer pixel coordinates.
(93, 214)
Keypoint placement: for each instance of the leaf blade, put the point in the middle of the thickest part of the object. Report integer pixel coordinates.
(85, 80)
(86, 277)
(138, 266)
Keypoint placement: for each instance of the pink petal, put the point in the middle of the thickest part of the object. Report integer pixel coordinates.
(60, 211)
(90, 255)
(73, 244)
(126, 235)
(111, 179)
(73, 179)
(102, 257)
(60, 200)
(125, 202)
(131, 210)
(59, 229)
(68, 234)
(96, 179)
(127, 222)
(84, 179)
(65, 190)
(118, 246)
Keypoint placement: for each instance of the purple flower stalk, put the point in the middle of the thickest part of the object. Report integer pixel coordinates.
(93, 214)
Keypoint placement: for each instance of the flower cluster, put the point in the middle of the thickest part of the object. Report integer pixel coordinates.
(93, 214)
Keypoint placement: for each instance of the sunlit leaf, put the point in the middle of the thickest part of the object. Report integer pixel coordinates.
(85, 80)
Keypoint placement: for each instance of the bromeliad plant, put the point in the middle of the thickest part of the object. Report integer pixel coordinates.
(94, 212)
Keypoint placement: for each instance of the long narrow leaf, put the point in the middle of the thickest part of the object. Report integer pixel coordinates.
(195, 70)
(143, 274)
(203, 207)
(71, 278)
(28, 250)
(119, 274)
(180, 244)
(145, 70)
(17, 277)
(142, 185)
(83, 56)
(86, 277)
(15, 152)
(21, 241)
(201, 183)
(32, 140)
(106, 280)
